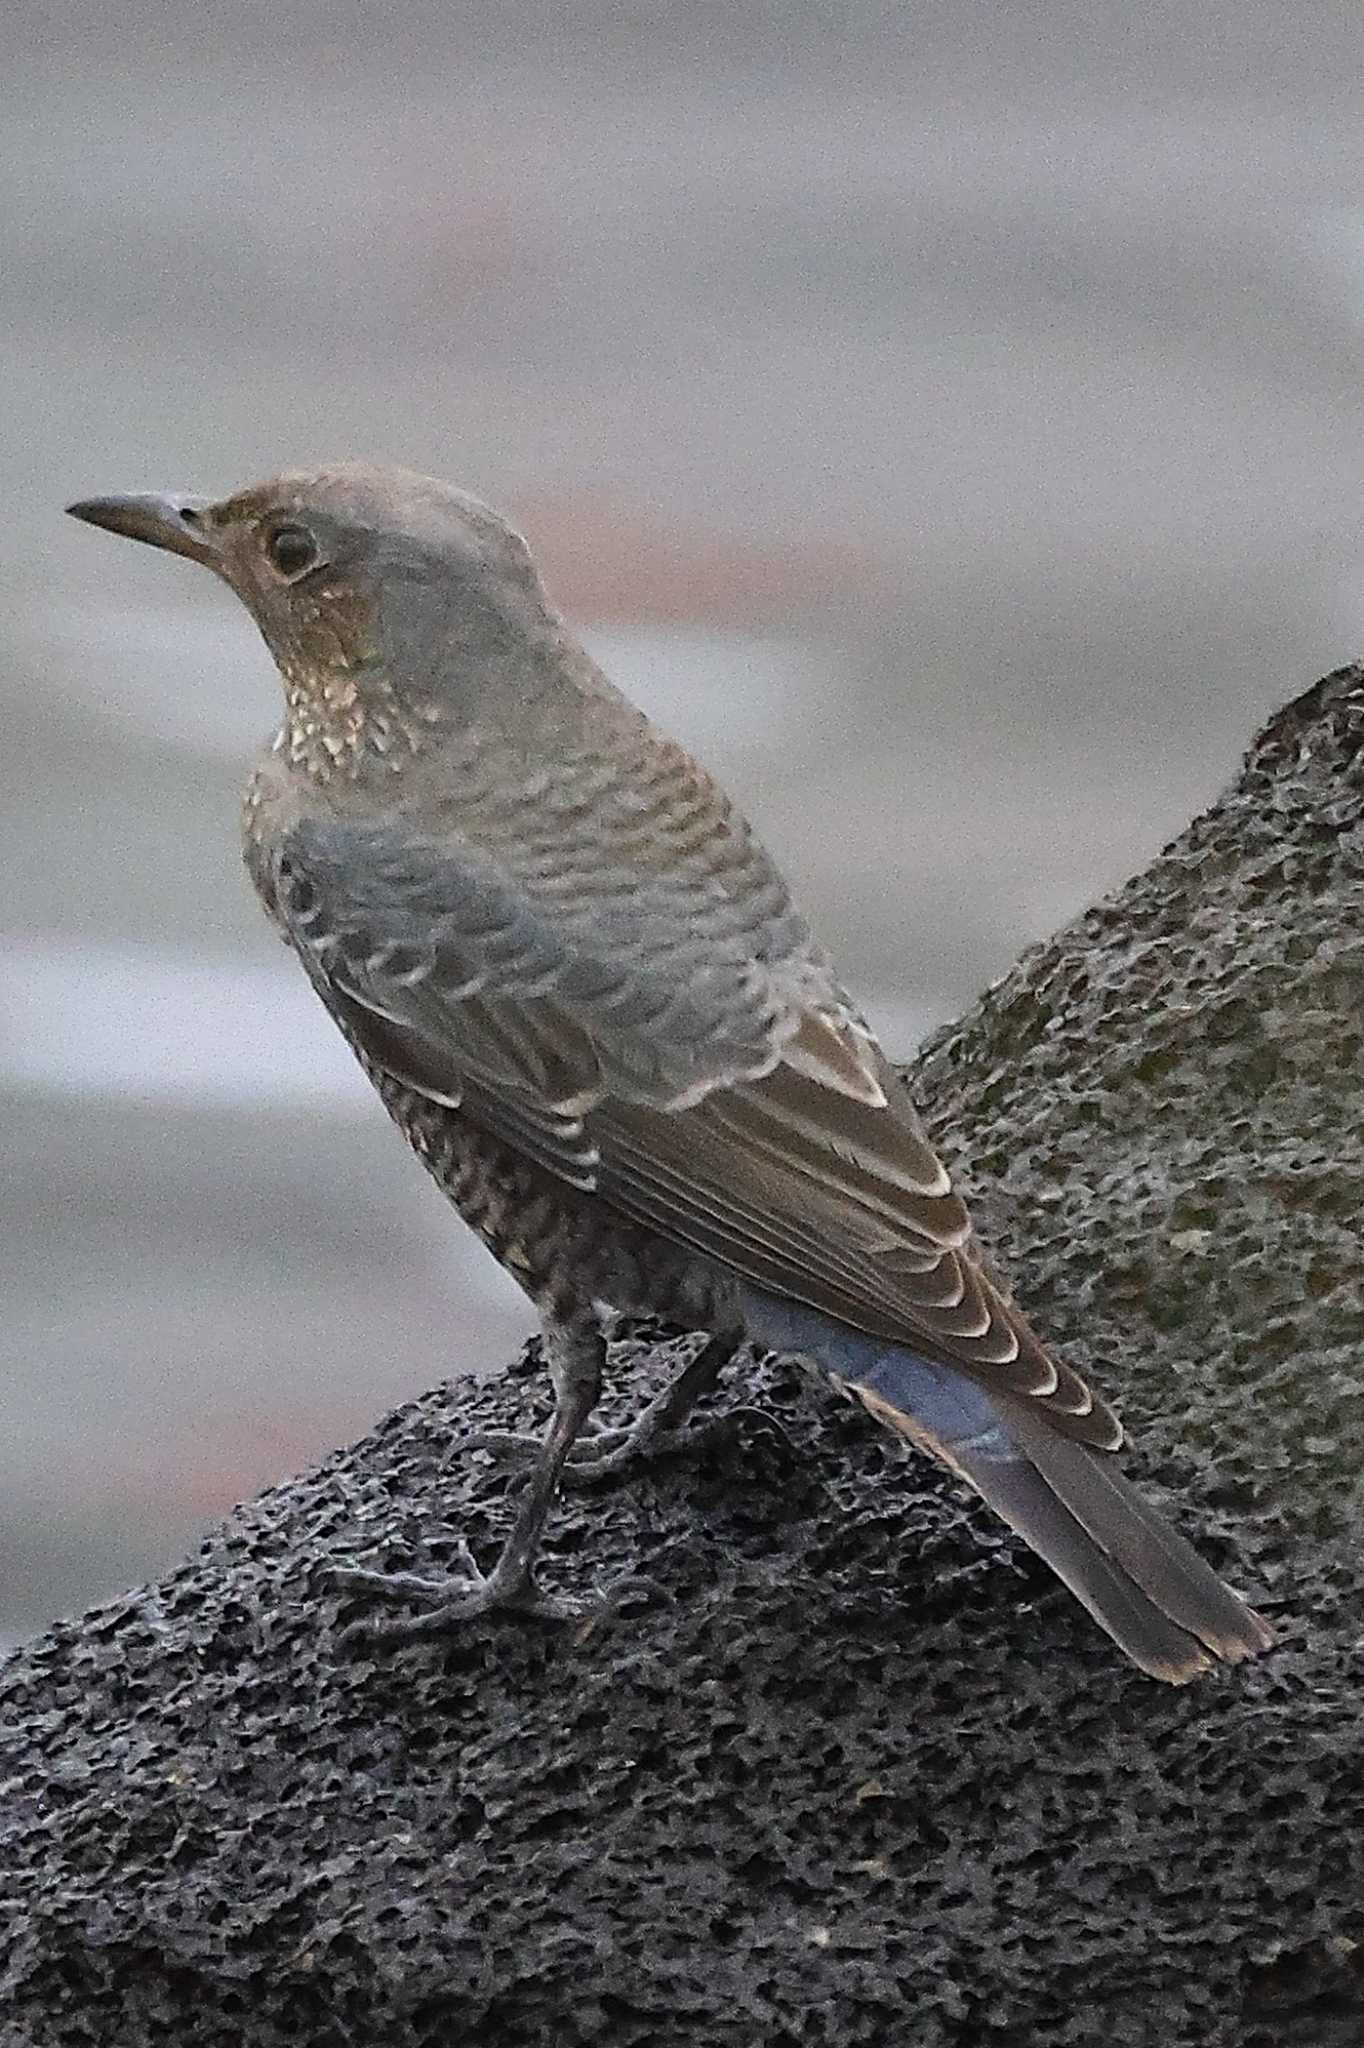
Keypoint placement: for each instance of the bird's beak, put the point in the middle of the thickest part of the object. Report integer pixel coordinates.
(166, 519)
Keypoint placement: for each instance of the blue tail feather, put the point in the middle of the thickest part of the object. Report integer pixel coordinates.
(1124, 1562)
(946, 1405)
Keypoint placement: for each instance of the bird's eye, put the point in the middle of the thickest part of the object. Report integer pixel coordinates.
(292, 551)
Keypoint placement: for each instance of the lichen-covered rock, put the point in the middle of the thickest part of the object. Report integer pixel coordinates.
(840, 1763)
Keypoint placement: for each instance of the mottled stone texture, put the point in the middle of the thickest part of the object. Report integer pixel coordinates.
(846, 1766)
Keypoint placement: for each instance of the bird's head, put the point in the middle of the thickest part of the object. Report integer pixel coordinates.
(392, 603)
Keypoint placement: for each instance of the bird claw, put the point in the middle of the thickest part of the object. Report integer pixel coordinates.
(595, 1456)
(617, 1450)
(613, 1451)
(444, 1604)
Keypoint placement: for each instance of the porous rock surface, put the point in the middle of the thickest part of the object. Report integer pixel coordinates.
(843, 1765)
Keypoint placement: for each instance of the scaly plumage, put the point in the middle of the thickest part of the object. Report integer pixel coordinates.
(583, 991)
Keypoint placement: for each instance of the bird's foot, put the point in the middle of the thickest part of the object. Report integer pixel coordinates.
(444, 1605)
(657, 1432)
(613, 1451)
(610, 1452)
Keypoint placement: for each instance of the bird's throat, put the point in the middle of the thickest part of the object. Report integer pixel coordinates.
(345, 720)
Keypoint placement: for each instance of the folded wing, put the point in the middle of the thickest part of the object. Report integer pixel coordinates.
(683, 1050)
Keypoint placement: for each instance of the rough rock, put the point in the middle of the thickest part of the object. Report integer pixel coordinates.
(837, 1763)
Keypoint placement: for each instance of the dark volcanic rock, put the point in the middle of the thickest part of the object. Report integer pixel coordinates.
(844, 1765)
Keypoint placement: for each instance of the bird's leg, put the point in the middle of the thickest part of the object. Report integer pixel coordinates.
(659, 1427)
(575, 1353)
(657, 1431)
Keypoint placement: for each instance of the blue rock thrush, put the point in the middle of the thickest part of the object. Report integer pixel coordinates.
(584, 994)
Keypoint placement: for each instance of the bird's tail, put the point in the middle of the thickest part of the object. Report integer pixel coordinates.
(1134, 1572)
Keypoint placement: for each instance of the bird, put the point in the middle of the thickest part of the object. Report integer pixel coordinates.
(585, 994)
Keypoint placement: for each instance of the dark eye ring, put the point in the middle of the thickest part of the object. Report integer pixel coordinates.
(292, 551)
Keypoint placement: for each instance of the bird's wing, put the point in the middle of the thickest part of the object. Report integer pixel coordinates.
(547, 993)
(818, 1198)
(703, 1077)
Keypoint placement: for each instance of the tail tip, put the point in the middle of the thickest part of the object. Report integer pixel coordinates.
(1253, 1637)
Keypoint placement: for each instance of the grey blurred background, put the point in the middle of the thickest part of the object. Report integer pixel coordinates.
(947, 418)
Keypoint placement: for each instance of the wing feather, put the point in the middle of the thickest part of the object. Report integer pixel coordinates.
(717, 1088)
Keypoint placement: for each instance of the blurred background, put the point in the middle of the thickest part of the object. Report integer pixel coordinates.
(947, 418)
